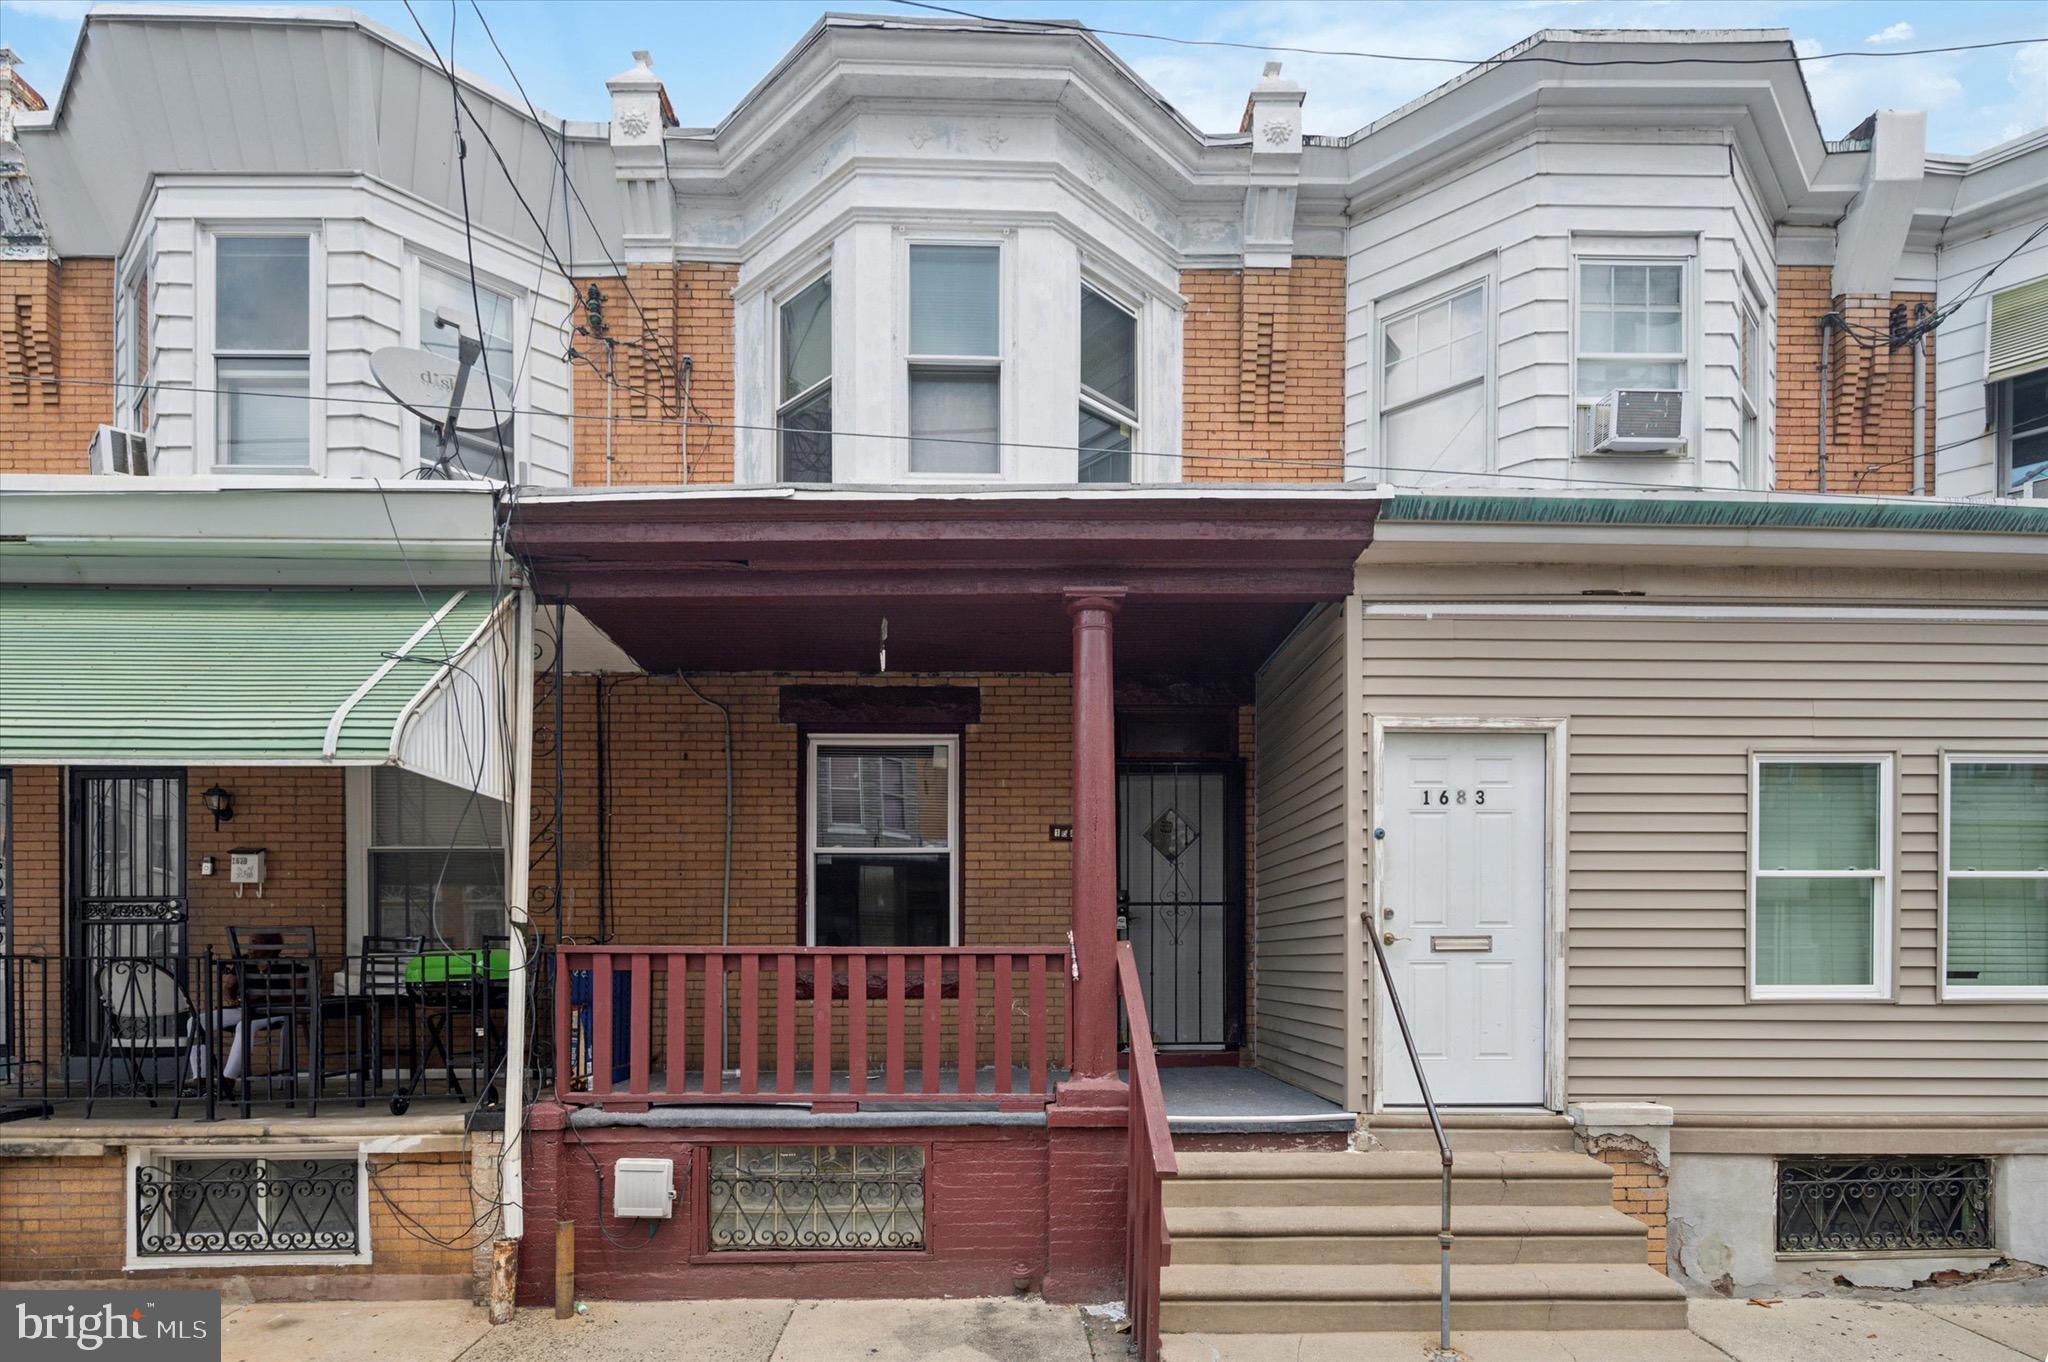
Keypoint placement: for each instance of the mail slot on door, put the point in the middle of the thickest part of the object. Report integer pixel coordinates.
(1445, 944)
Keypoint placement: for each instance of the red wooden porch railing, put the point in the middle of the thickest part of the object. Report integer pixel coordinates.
(834, 1027)
(1148, 1247)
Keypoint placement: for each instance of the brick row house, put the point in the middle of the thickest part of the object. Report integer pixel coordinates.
(1019, 696)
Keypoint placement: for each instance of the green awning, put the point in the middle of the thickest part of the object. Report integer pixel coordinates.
(205, 677)
(1708, 512)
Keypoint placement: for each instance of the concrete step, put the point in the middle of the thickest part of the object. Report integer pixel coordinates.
(1498, 1131)
(1403, 1234)
(1341, 1298)
(1540, 1178)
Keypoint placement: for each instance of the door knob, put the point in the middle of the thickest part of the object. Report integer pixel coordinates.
(1388, 938)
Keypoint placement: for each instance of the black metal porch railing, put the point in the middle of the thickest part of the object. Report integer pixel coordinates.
(211, 1035)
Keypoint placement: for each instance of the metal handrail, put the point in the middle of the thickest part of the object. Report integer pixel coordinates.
(1443, 1143)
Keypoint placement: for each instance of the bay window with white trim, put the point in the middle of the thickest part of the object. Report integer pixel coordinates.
(955, 360)
(1109, 388)
(882, 827)
(262, 349)
(1433, 372)
(479, 454)
(1821, 876)
(803, 411)
(1994, 866)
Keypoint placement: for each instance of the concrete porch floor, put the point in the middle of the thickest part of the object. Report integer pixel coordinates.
(1214, 1099)
(1810, 1330)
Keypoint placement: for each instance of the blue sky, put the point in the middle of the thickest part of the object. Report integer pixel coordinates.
(710, 54)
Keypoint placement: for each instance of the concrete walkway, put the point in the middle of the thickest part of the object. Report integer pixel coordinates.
(1813, 1330)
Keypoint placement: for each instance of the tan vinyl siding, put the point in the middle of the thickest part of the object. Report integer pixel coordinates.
(1663, 714)
(1298, 890)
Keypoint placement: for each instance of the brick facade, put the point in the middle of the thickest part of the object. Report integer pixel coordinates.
(659, 314)
(1870, 405)
(57, 332)
(1263, 384)
(1640, 1187)
(66, 1220)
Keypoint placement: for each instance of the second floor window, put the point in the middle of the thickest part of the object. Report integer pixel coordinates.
(481, 454)
(803, 415)
(2022, 415)
(1749, 361)
(1109, 389)
(262, 356)
(955, 360)
(1433, 387)
(1631, 330)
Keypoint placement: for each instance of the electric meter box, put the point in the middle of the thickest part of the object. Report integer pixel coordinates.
(643, 1189)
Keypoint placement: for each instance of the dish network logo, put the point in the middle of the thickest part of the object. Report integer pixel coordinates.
(89, 1330)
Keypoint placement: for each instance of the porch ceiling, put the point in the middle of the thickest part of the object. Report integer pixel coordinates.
(784, 579)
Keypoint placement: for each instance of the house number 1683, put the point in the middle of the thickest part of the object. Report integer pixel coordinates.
(1452, 797)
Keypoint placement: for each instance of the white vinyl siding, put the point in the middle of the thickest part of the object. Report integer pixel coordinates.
(1820, 876)
(1995, 876)
(1665, 715)
(1297, 986)
(1526, 211)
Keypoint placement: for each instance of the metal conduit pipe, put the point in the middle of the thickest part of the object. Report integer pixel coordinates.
(1919, 403)
(1827, 324)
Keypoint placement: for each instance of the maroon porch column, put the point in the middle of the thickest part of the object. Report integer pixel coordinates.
(1094, 907)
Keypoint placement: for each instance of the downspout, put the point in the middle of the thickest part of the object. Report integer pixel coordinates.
(1919, 402)
(1827, 324)
(518, 875)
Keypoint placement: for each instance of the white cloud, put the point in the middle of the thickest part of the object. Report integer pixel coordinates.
(1845, 90)
(1900, 32)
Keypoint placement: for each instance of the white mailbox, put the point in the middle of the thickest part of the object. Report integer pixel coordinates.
(245, 867)
(643, 1189)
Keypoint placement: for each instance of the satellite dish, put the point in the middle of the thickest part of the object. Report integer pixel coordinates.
(424, 383)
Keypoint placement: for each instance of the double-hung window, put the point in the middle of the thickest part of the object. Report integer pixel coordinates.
(803, 414)
(1995, 876)
(884, 840)
(1109, 388)
(131, 354)
(437, 864)
(2016, 370)
(1433, 387)
(1631, 331)
(483, 454)
(1820, 876)
(1749, 392)
(955, 360)
(262, 350)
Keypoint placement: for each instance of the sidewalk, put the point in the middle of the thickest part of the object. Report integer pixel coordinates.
(1815, 1330)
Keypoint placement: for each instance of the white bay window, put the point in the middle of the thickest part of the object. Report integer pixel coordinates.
(1433, 370)
(262, 350)
(1631, 331)
(955, 360)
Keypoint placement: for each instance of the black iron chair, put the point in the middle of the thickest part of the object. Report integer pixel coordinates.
(273, 970)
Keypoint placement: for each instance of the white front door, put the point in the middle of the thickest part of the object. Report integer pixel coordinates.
(1462, 868)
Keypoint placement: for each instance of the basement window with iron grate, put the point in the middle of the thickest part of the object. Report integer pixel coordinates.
(289, 1205)
(767, 1198)
(1883, 1205)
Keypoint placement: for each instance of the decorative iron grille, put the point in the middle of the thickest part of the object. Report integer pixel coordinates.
(817, 1197)
(188, 1207)
(1865, 1205)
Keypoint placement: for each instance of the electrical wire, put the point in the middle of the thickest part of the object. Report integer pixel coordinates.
(1074, 26)
(1348, 466)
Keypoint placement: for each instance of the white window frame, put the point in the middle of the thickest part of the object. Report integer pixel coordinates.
(1595, 252)
(912, 360)
(1749, 389)
(781, 406)
(1399, 307)
(1978, 992)
(206, 410)
(954, 851)
(1884, 878)
(415, 446)
(1104, 407)
(131, 348)
(163, 1155)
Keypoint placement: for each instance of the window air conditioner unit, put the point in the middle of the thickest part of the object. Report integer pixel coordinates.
(2037, 490)
(115, 450)
(1639, 421)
